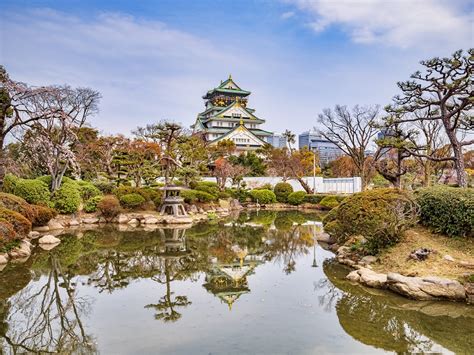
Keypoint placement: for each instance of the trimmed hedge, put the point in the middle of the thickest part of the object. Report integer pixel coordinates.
(132, 200)
(282, 190)
(209, 187)
(67, 198)
(296, 198)
(7, 234)
(17, 204)
(329, 202)
(88, 190)
(43, 215)
(33, 191)
(263, 196)
(104, 186)
(380, 215)
(447, 210)
(193, 196)
(314, 198)
(20, 224)
(9, 183)
(109, 207)
(91, 204)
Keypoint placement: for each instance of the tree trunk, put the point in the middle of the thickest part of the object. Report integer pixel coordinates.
(2, 160)
(305, 186)
(427, 173)
(459, 166)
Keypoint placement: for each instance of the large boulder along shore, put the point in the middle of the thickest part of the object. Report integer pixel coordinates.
(417, 288)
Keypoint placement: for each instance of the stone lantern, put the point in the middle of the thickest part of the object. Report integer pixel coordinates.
(173, 202)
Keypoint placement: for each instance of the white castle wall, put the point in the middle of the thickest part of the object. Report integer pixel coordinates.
(321, 185)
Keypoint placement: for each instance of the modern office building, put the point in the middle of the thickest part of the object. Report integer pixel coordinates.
(277, 141)
(327, 150)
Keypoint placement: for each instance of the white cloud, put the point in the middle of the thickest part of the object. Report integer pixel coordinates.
(287, 15)
(400, 23)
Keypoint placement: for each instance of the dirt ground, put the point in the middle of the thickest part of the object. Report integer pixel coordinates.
(396, 259)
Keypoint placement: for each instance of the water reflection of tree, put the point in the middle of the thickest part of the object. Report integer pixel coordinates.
(381, 319)
(47, 317)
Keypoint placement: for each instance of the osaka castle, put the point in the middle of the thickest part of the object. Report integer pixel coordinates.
(227, 117)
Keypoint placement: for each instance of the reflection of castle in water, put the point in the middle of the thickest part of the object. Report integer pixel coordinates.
(228, 281)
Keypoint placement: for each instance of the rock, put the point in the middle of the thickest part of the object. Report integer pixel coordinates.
(200, 210)
(49, 239)
(55, 225)
(325, 237)
(369, 259)
(448, 258)
(353, 276)
(151, 220)
(426, 288)
(3, 259)
(235, 205)
(466, 264)
(371, 278)
(193, 209)
(34, 235)
(224, 204)
(469, 287)
(48, 246)
(74, 223)
(90, 220)
(22, 251)
(133, 222)
(177, 220)
(2, 266)
(122, 219)
(41, 229)
(420, 254)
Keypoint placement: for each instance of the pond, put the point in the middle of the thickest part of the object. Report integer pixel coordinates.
(255, 283)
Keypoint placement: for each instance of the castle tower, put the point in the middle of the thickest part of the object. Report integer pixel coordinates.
(227, 117)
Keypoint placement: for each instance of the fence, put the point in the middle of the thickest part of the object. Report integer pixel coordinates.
(319, 184)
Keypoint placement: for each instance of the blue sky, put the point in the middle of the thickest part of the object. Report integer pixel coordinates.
(153, 60)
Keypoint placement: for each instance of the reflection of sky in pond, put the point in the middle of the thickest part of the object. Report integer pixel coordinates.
(232, 290)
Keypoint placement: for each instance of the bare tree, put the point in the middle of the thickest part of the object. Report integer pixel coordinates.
(352, 131)
(443, 92)
(51, 140)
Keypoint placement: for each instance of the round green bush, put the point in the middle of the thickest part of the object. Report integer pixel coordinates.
(282, 190)
(203, 196)
(132, 200)
(109, 207)
(329, 202)
(20, 224)
(314, 198)
(379, 215)
(43, 215)
(447, 210)
(189, 196)
(67, 198)
(17, 204)
(296, 198)
(88, 190)
(48, 180)
(91, 204)
(209, 187)
(9, 183)
(263, 196)
(33, 191)
(104, 186)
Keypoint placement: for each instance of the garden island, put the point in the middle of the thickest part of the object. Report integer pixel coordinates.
(166, 238)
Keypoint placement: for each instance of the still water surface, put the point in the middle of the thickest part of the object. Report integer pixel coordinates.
(256, 283)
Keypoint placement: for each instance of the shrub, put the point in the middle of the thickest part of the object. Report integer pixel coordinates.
(314, 198)
(209, 187)
(88, 190)
(67, 198)
(282, 190)
(224, 195)
(147, 193)
(17, 204)
(240, 194)
(9, 183)
(380, 215)
(157, 201)
(263, 196)
(329, 202)
(296, 198)
(20, 224)
(48, 180)
(132, 200)
(447, 210)
(91, 204)
(266, 186)
(33, 191)
(7, 235)
(203, 196)
(109, 207)
(104, 186)
(43, 215)
(189, 196)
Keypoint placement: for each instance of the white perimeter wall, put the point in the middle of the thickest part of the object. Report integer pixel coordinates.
(321, 185)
